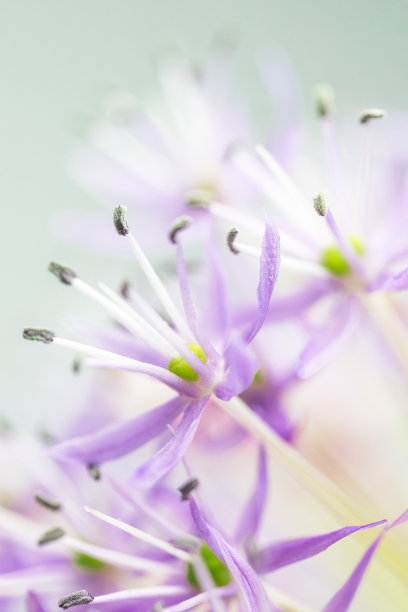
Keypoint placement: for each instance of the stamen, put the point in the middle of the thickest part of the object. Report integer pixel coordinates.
(324, 99)
(94, 471)
(120, 221)
(142, 593)
(141, 535)
(320, 204)
(199, 198)
(232, 234)
(122, 227)
(179, 225)
(50, 504)
(77, 365)
(75, 599)
(63, 273)
(371, 113)
(38, 335)
(188, 488)
(51, 536)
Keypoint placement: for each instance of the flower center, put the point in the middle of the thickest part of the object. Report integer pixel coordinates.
(335, 262)
(216, 568)
(180, 367)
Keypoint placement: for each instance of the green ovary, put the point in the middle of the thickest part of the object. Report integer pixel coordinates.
(87, 562)
(334, 261)
(180, 367)
(216, 568)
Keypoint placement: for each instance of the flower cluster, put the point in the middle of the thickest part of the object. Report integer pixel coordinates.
(231, 356)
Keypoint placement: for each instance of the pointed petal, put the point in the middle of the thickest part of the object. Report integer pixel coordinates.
(327, 340)
(240, 368)
(391, 281)
(33, 603)
(286, 552)
(344, 597)
(121, 438)
(189, 308)
(251, 587)
(252, 515)
(162, 462)
(268, 273)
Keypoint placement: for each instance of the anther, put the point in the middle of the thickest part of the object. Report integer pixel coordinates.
(94, 471)
(371, 113)
(124, 290)
(75, 599)
(179, 225)
(120, 221)
(199, 198)
(51, 536)
(320, 204)
(50, 504)
(231, 236)
(324, 96)
(187, 488)
(38, 335)
(63, 273)
(77, 365)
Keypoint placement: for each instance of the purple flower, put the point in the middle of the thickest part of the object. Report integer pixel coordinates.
(182, 355)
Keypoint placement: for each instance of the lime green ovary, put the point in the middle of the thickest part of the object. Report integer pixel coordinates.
(216, 568)
(180, 367)
(334, 261)
(87, 562)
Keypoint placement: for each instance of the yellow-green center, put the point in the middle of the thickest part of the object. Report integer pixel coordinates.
(180, 367)
(335, 262)
(87, 562)
(216, 568)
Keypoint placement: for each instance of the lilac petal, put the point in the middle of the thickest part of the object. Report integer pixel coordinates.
(252, 589)
(240, 368)
(391, 281)
(286, 552)
(326, 340)
(287, 306)
(344, 597)
(149, 472)
(189, 309)
(252, 515)
(268, 273)
(121, 438)
(33, 604)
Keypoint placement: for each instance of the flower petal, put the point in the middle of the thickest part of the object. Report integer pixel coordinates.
(268, 273)
(121, 438)
(33, 604)
(252, 515)
(150, 471)
(251, 587)
(240, 368)
(391, 281)
(326, 340)
(285, 552)
(344, 597)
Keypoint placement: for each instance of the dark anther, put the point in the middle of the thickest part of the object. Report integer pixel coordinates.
(371, 113)
(75, 599)
(50, 504)
(188, 488)
(179, 225)
(120, 221)
(77, 365)
(94, 471)
(125, 290)
(63, 273)
(51, 535)
(39, 335)
(231, 236)
(324, 100)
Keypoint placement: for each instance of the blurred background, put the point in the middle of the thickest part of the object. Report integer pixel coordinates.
(59, 59)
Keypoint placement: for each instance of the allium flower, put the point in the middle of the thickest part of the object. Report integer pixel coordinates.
(197, 366)
(350, 250)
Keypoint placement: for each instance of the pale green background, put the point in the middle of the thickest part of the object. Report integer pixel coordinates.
(57, 59)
